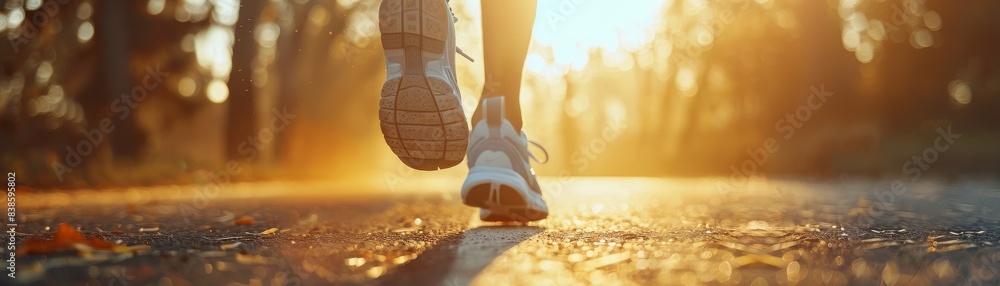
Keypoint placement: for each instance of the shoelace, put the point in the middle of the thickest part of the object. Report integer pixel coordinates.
(460, 52)
(532, 155)
(457, 49)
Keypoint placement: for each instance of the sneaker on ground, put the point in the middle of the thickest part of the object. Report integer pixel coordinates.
(501, 180)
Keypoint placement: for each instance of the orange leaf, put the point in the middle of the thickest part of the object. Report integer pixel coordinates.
(35, 246)
(63, 240)
(66, 236)
(244, 221)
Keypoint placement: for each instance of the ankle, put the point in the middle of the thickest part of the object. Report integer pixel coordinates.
(511, 113)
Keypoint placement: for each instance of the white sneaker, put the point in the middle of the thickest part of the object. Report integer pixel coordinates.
(421, 109)
(501, 180)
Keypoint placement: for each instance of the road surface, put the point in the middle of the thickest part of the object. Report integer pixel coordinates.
(605, 231)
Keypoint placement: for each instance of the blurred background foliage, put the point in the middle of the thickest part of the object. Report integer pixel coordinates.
(624, 88)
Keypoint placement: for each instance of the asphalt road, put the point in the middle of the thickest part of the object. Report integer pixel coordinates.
(605, 231)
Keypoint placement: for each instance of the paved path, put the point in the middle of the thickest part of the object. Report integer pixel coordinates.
(605, 231)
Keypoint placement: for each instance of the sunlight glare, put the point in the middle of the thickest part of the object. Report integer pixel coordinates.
(535, 63)
(570, 28)
(212, 48)
(225, 12)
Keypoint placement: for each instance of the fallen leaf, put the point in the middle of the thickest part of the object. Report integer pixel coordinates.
(270, 231)
(245, 220)
(65, 239)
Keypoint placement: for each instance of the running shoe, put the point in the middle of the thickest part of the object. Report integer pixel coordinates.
(501, 180)
(420, 110)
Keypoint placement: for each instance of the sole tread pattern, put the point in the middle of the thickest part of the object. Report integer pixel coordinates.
(421, 116)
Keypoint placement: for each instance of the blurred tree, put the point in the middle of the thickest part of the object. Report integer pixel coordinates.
(113, 37)
(241, 119)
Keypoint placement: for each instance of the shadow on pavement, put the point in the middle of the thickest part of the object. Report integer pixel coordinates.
(457, 260)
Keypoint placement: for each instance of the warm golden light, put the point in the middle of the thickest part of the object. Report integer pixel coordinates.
(572, 30)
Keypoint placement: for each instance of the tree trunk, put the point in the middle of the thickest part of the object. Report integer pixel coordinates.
(241, 118)
(127, 141)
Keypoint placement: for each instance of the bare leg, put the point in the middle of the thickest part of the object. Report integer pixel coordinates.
(506, 33)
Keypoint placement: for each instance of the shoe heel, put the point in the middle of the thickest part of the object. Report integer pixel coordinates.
(488, 187)
(421, 116)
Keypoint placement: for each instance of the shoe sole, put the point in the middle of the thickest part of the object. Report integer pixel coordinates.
(420, 113)
(502, 193)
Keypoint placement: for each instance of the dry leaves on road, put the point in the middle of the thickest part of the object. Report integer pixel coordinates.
(67, 238)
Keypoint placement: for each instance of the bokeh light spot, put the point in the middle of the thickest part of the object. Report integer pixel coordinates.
(33, 5)
(932, 20)
(267, 34)
(217, 91)
(921, 39)
(851, 39)
(155, 7)
(186, 87)
(535, 63)
(84, 11)
(44, 72)
(876, 30)
(15, 17)
(3, 22)
(960, 92)
(85, 32)
(865, 52)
